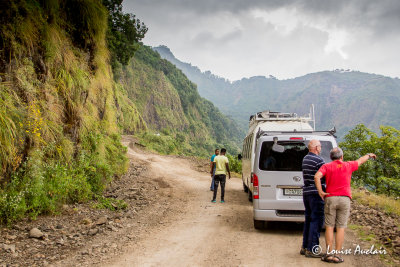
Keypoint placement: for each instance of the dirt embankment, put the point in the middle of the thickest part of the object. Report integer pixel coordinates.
(169, 221)
(385, 228)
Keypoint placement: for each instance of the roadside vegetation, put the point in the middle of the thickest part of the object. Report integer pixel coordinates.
(376, 185)
(70, 86)
(166, 144)
(381, 176)
(60, 110)
(389, 205)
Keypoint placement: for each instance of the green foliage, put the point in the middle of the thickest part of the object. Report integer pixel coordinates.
(110, 203)
(129, 118)
(235, 165)
(41, 184)
(86, 21)
(172, 106)
(19, 28)
(10, 117)
(124, 33)
(383, 174)
(163, 144)
(59, 107)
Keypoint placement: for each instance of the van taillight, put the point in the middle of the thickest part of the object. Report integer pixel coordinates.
(254, 178)
(296, 138)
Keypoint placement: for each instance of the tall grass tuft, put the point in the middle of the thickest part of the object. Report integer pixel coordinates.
(59, 139)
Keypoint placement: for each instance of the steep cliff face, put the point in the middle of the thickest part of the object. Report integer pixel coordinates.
(154, 95)
(60, 109)
(56, 78)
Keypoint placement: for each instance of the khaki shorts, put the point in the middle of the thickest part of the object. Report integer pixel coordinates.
(337, 211)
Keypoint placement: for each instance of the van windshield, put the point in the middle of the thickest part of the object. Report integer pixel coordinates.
(291, 158)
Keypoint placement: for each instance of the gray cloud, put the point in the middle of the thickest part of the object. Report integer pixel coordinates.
(381, 15)
(286, 38)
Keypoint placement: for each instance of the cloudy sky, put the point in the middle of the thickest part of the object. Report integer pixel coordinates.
(284, 38)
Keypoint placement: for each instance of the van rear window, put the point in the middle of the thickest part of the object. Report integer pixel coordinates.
(290, 157)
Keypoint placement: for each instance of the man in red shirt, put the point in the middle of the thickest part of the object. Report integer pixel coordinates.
(337, 198)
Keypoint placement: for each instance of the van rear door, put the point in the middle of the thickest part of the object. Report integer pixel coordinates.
(279, 173)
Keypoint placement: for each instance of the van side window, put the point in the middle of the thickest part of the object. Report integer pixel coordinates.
(246, 147)
(250, 144)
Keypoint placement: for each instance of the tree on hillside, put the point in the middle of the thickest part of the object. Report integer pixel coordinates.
(125, 31)
(382, 176)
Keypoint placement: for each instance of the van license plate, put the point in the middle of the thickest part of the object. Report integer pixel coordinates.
(292, 192)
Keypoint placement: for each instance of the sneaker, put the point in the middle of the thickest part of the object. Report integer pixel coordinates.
(303, 251)
(213, 201)
(222, 201)
(309, 254)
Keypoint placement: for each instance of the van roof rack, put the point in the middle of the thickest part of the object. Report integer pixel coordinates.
(269, 133)
(276, 116)
(268, 115)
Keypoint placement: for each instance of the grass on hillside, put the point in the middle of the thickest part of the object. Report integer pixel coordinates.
(389, 205)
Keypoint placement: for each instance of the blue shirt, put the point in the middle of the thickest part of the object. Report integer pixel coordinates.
(310, 166)
(212, 160)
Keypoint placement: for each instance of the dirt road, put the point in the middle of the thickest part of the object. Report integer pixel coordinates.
(196, 232)
(168, 220)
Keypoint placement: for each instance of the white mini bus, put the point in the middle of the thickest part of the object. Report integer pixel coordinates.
(273, 151)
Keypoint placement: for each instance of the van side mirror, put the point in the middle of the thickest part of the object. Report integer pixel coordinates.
(239, 156)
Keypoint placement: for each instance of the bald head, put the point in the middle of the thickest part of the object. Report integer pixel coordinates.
(314, 146)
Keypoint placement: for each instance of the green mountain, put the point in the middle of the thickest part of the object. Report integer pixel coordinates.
(341, 98)
(171, 104)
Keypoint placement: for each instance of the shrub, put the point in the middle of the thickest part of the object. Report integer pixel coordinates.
(381, 175)
(235, 165)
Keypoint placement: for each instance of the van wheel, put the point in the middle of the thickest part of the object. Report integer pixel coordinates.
(250, 196)
(245, 189)
(258, 224)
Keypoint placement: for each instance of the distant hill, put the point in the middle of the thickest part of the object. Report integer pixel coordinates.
(341, 98)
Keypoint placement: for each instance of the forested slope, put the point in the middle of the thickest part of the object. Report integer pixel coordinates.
(171, 104)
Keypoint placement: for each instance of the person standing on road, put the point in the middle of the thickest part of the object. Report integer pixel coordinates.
(213, 168)
(313, 204)
(337, 198)
(221, 163)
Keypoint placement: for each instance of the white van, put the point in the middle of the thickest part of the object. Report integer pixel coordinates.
(273, 151)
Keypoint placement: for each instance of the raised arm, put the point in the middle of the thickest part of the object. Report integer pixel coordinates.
(364, 159)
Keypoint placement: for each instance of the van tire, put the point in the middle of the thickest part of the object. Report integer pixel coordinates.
(250, 196)
(245, 189)
(259, 225)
